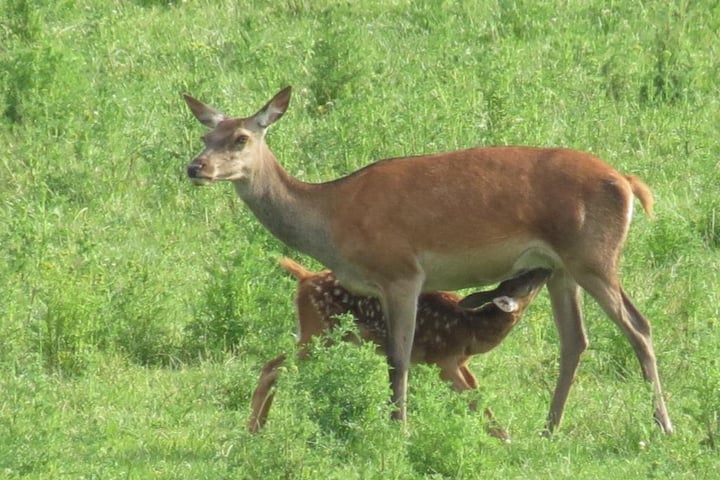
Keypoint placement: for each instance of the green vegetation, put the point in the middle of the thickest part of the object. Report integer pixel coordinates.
(136, 310)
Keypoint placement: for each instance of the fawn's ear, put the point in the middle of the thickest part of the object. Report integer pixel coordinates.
(506, 304)
(475, 300)
(274, 109)
(205, 114)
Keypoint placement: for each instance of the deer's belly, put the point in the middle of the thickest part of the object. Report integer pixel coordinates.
(482, 267)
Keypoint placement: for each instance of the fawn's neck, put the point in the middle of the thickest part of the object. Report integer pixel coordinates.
(488, 327)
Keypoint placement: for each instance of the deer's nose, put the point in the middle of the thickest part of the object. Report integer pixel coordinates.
(193, 170)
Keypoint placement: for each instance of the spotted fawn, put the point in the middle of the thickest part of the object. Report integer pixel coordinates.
(450, 329)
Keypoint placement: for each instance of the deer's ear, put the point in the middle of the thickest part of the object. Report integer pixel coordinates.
(476, 300)
(205, 114)
(274, 109)
(506, 304)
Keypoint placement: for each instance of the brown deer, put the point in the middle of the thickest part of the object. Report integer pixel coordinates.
(449, 330)
(446, 221)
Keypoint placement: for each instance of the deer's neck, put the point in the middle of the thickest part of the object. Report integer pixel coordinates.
(287, 207)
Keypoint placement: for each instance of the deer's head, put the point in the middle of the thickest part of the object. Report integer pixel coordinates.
(235, 146)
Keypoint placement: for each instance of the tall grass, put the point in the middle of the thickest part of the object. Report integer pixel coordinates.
(137, 310)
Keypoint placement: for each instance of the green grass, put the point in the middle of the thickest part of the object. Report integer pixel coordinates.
(137, 309)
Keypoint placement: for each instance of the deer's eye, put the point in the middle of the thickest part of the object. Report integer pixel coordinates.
(241, 140)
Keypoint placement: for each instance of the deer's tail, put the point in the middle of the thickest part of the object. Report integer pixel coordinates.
(643, 193)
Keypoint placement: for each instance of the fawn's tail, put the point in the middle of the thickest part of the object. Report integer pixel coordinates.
(294, 268)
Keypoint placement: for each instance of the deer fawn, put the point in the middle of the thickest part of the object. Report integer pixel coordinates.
(449, 330)
(401, 226)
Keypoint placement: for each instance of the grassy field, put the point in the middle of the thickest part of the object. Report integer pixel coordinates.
(137, 309)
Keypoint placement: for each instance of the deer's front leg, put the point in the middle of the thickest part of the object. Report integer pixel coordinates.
(399, 302)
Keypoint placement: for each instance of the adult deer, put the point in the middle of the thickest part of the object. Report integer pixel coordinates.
(445, 221)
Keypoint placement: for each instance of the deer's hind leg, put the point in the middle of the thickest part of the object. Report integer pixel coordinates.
(636, 328)
(565, 299)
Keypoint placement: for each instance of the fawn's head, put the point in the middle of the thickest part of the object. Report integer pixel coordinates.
(234, 146)
(513, 295)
